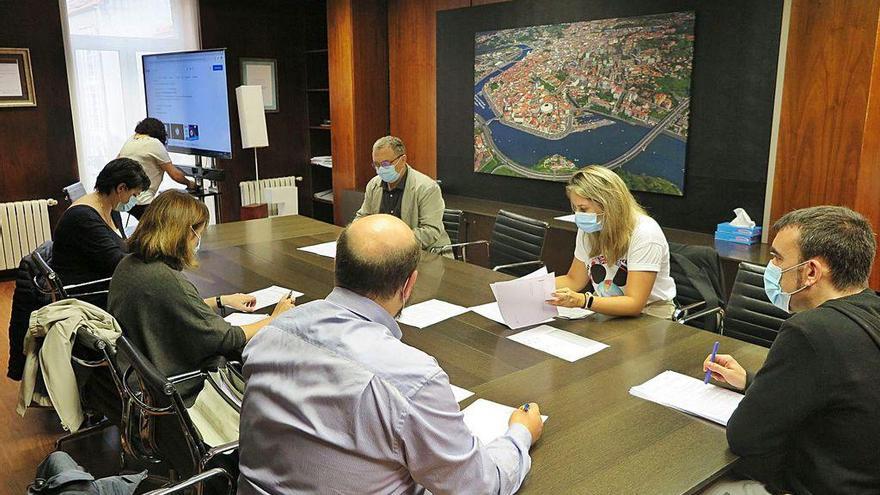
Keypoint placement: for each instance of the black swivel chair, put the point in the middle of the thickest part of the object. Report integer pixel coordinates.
(453, 223)
(749, 315)
(699, 286)
(516, 244)
(147, 395)
(47, 281)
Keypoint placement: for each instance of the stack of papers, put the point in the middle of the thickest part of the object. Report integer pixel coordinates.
(324, 161)
(690, 395)
(523, 302)
(493, 312)
(573, 313)
(239, 319)
(327, 249)
(562, 344)
(487, 420)
(271, 295)
(459, 393)
(425, 314)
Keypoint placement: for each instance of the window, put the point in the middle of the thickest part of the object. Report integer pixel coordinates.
(105, 40)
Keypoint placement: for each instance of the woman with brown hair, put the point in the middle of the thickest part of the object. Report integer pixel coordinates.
(619, 250)
(160, 311)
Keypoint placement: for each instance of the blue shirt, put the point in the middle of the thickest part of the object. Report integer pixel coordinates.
(336, 403)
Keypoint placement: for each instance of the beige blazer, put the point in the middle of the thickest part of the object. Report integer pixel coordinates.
(421, 207)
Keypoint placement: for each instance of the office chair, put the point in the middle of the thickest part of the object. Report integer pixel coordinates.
(453, 223)
(697, 273)
(148, 395)
(47, 281)
(516, 243)
(750, 316)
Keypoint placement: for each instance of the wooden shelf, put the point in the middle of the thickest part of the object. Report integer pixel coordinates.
(319, 50)
(319, 90)
(320, 127)
(324, 196)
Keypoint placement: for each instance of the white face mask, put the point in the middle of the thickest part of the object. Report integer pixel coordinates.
(773, 286)
(199, 242)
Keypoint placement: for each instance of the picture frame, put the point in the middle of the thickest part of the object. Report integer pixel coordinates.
(262, 72)
(16, 78)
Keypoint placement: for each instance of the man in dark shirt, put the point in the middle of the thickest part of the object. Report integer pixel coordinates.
(810, 419)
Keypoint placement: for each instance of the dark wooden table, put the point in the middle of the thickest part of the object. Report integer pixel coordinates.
(598, 439)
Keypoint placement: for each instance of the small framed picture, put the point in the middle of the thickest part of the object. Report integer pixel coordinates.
(261, 72)
(16, 78)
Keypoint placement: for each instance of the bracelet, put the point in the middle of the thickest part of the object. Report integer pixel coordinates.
(590, 302)
(220, 306)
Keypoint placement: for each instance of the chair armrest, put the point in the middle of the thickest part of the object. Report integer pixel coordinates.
(521, 263)
(211, 473)
(213, 452)
(684, 310)
(700, 314)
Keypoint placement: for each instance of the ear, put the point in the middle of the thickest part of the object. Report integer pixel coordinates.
(814, 270)
(121, 188)
(410, 284)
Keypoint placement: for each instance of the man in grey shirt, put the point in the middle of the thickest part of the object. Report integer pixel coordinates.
(336, 403)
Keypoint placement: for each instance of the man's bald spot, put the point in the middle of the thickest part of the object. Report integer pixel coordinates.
(377, 236)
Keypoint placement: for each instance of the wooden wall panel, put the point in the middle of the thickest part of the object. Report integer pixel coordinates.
(273, 30)
(412, 48)
(358, 64)
(828, 151)
(37, 146)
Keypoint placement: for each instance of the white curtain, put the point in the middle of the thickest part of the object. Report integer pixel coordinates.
(104, 40)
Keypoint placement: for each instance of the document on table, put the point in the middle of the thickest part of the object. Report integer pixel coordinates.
(271, 295)
(239, 319)
(562, 344)
(327, 249)
(566, 218)
(690, 395)
(425, 314)
(487, 420)
(493, 312)
(523, 301)
(459, 393)
(573, 313)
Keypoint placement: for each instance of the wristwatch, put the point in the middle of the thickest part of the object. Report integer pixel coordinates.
(220, 306)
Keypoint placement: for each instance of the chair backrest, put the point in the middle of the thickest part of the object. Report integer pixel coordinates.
(74, 191)
(750, 316)
(147, 394)
(453, 222)
(697, 273)
(45, 277)
(516, 238)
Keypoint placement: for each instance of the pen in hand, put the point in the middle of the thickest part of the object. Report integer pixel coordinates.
(712, 359)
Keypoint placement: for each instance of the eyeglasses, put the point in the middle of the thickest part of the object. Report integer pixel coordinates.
(386, 163)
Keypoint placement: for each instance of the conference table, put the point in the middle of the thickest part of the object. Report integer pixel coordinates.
(598, 438)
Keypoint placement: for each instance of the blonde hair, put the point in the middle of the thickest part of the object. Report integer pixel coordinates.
(621, 210)
(163, 231)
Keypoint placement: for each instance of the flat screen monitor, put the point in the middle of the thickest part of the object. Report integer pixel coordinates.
(187, 91)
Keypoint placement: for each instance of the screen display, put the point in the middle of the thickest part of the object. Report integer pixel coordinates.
(187, 91)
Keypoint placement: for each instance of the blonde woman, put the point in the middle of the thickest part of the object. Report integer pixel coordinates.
(619, 250)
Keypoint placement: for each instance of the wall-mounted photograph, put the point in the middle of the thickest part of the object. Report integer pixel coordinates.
(552, 99)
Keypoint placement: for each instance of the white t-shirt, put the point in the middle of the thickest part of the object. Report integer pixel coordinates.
(648, 252)
(151, 154)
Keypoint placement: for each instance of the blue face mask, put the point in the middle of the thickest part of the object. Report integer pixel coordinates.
(587, 222)
(773, 286)
(127, 206)
(388, 173)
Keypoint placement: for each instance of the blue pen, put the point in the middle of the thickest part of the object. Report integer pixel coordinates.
(712, 359)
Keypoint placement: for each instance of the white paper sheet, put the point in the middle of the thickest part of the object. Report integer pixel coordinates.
(523, 301)
(488, 420)
(10, 80)
(566, 218)
(327, 249)
(562, 344)
(689, 395)
(271, 295)
(239, 319)
(573, 313)
(459, 393)
(493, 312)
(425, 314)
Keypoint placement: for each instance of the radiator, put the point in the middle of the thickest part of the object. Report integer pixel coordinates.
(24, 225)
(255, 191)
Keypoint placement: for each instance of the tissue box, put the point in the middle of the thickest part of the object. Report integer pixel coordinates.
(726, 228)
(740, 239)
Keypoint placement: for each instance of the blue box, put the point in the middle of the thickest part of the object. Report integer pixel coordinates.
(726, 228)
(739, 239)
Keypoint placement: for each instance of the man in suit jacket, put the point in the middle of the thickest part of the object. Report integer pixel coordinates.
(406, 193)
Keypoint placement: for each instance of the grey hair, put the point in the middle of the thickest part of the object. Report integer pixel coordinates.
(840, 236)
(392, 142)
